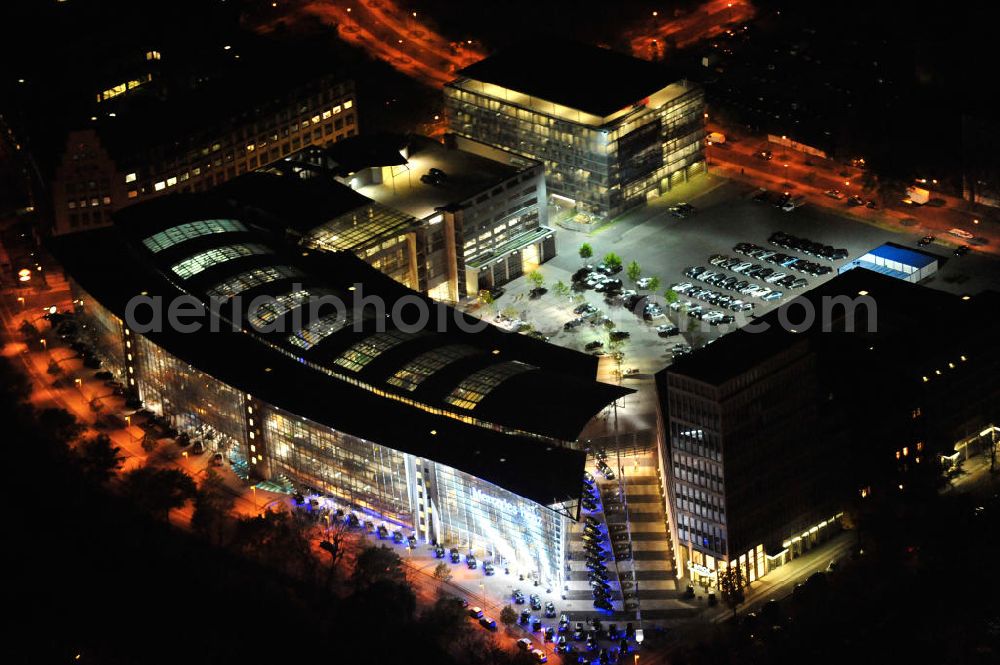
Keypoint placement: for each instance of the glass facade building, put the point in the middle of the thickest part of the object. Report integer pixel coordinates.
(421, 430)
(602, 163)
(378, 483)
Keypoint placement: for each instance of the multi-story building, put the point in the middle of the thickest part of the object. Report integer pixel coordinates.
(447, 220)
(767, 437)
(161, 130)
(429, 427)
(611, 130)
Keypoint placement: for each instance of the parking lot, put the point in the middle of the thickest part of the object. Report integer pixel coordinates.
(664, 246)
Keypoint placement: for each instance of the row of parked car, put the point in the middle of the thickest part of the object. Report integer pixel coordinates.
(600, 278)
(807, 247)
(756, 271)
(723, 281)
(779, 260)
(743, 286)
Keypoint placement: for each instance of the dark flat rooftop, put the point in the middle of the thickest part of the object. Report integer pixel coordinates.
(591, 79)
(905, 312)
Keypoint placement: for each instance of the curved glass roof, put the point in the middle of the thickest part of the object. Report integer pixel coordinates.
(189, 230)
(413, 373)
(250, 279)
(193, 265)
(361, 353)
(473, 388)
(316, 331)
(274, 307)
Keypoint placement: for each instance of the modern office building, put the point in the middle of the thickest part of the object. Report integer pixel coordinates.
(157, 127)
(612, 130)
(768, 436)
(429, 426)
(447, 219)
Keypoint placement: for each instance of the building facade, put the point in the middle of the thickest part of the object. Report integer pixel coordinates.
(422, 431)
(100, 170)
(605, 148)
(767, 438)
(478, 226)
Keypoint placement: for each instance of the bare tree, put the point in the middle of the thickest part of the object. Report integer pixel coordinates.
(731, 586)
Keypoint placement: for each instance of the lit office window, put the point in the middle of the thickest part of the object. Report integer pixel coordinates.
(130, 177)
(426, 364)
(178, 234)
(192, 266)
(475, 387)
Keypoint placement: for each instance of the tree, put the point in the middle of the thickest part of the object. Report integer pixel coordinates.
(29, 331)
(508, 616)
(442, 572)
(335, 545)
(561, 289)
(731, 586)
(654, 283)
(13, 383)
(612, 261)
(158, 491)
(213, 505)
(634, 270)
(99, 459)
(671, 296)
(377, 563)
(59, 425)
(445, 619)
(537, 279)
(277, 539)
(586, 251)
